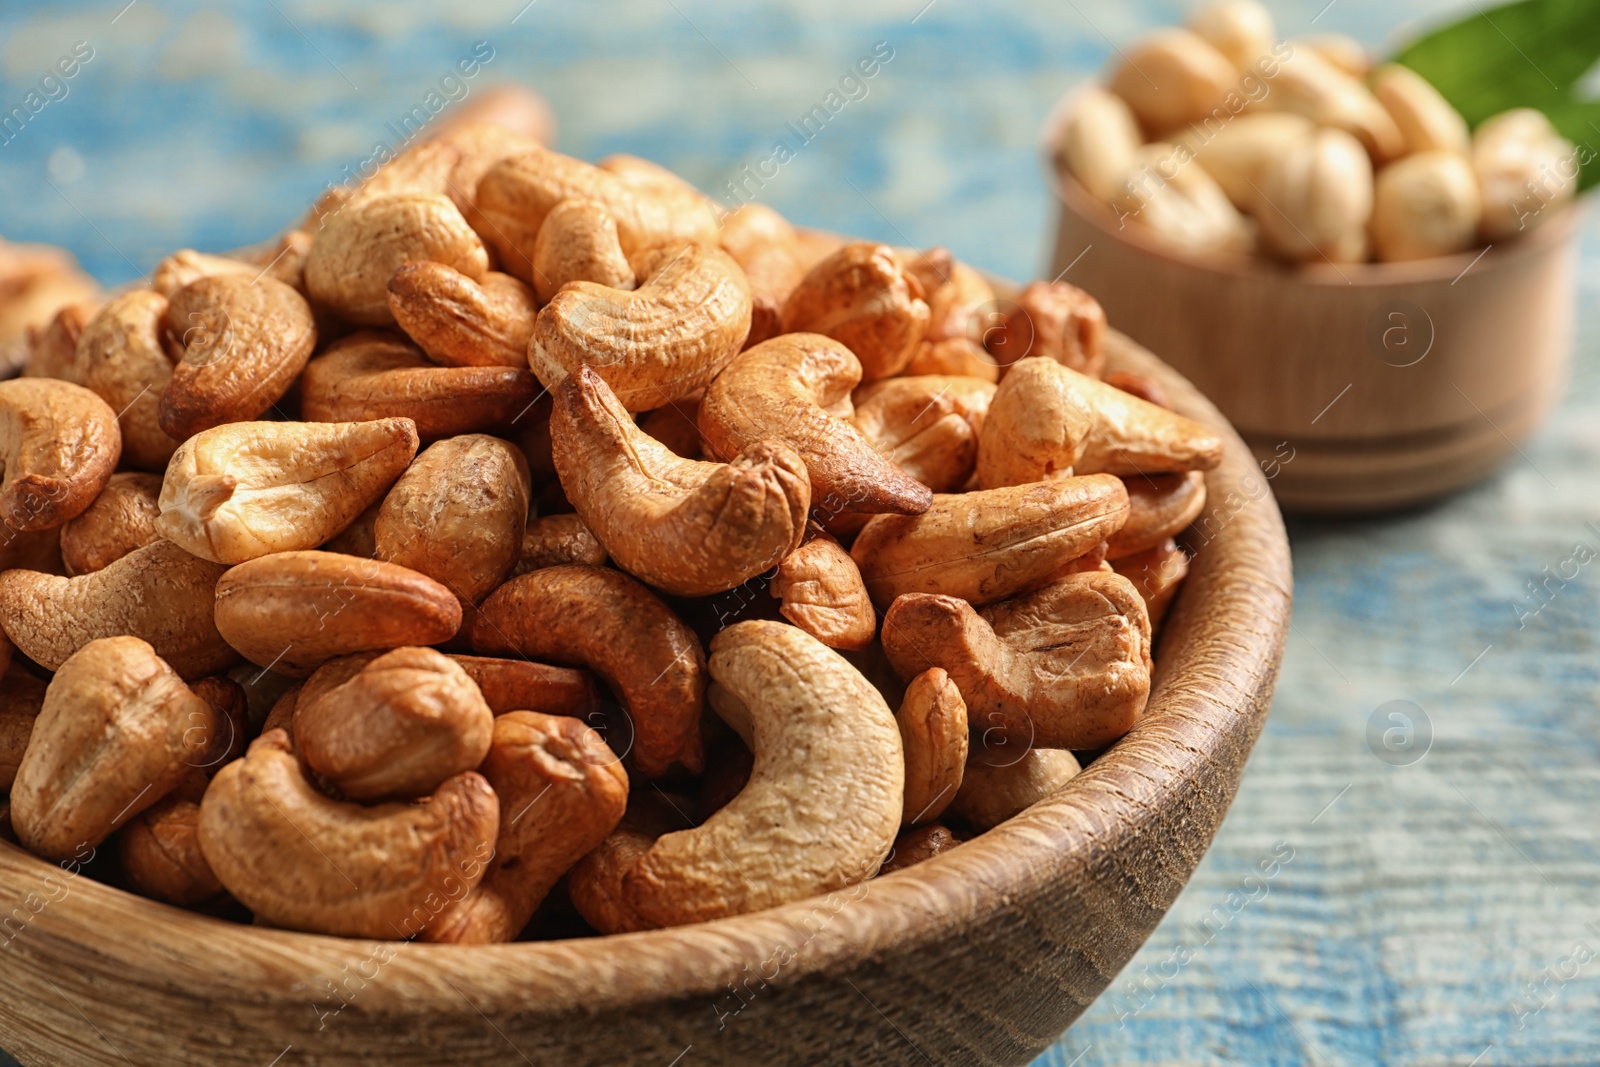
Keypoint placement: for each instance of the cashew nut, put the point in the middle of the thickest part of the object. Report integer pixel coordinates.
(460, 322)
(1340, 50)
(291, 612)
(578, 243)
(676, 426)
(1180, 202)
(556, 539)
(378, 376)
(796, 389)
(763, 243)
(1047, 421)
(1157, 573)
(933, 732)
(685, 526)
(822, 807)
(1000, 784)
(21, 697)
(562, 792)
(59, 443)
(927, 425)
(522, 685)
(117, 732)
(1307, 84)
(1242, 30)
(186, 265)
(304, 862)
(658, 343)
(823, 594)
(863, 297)
(1315, 198)
(121, 359)
(121, 519)
(362, 246)
(1054, 320)
(1425, 205)
(247, 489)
(160, 853)
(1524, 166)
(158, 593)
(1238, 154)
(916, 844)
(595, 883)
(989, 544)
(1064, 666)
(396, 727)
(954, 356)
(457, 514)
(1171, 78)
(954, 292)
(1098, 141)
(53, 349)
(243, 341)
(606, 621)
(1426, 120)
(1159, 506)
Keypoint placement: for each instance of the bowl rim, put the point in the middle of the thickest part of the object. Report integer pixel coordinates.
(1361, 276)
(1208, 701)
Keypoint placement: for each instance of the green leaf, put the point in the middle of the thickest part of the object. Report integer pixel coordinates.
(1531, 53)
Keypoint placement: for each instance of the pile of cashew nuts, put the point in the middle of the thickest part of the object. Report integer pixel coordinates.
(520, 541)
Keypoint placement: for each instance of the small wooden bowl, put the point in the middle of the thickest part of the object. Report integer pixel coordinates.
(983, 955)
(1387, 383)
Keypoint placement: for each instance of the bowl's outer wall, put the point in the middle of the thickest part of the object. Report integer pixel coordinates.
(1394, 383)
(981, 956)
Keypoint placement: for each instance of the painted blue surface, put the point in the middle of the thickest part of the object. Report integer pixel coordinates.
(1421, 901)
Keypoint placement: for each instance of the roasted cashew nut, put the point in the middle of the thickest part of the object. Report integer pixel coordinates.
(552, 540)
(247, 489)
(763, 243)
(823, 804)
(159, 850)
(460, 322)
(933, 731)
(926, 424)
(158, 593)
(1000, 783)
(1053, 320)
(655, 344)
(991, 543)
(595, 883)
(562, 792)
(1066, 666)
(1157, 573)
(121, 359)
(688, 527)
(862, 297)
(916, 844)
(796, 389)
(1159, 507)
(117, 732)
(522, 685)
(604, 620)
(121, 519)
(239, 343)
(822, 592)
(21, 697)
(302, 861)
(578, 243)
(59, 443)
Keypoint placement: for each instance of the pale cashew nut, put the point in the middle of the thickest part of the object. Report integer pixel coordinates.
(595, 883)
(1172, 77)
(926, 424)
(933, 731)
(763, 243)
(122, 360)
(822, 806)
(21, 697)
(1098, 141)
(1425, 205)
(1181, 204)
(552, 540)
(1340, 50)
(1064, 666)
(1157, 573)
(1427, 121)
(688, 527)
(796, 389)
(117, 732)
(239, 343)
(158, 593)
(1242, 30)
(989, 544)
(1315, 198)
(1049, 421)
(291, 612)
(863, 297)
(1238, 154)
(999, 785)
(917, 844)
(377, 376)
(822, 592)
(460, 322)
(362, 246)
(457, 514)
(301, 861)
(1159, 506)
(658, 343)
(161, 857)
(403, 722)
(59, 443)
(1524, 166)
(578, 243)
(1054, 320)
(247, 489)
(562, 792)
(521, 685)
(606, 621)
(121, 519)
(1307, 84)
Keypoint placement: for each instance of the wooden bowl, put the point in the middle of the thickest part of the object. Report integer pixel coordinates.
(983, 955)
(1387, 383)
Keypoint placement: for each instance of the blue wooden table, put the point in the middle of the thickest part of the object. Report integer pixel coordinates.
(1435, 907)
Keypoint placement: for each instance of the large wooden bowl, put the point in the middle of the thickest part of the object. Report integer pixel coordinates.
(981, 956)
(1388, 383)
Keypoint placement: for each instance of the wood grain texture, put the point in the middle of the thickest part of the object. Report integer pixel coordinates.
(979, 956)
(1419, 377)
